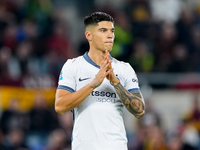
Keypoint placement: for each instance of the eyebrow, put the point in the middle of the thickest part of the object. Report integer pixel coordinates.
(106, 29)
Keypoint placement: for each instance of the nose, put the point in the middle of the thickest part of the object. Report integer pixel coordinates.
(111, 34)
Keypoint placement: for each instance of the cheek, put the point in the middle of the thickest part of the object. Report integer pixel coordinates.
(98, 41)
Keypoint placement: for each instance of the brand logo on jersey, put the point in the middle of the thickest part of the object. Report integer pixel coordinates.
(82, 79)
(104, 96)
(61, 77)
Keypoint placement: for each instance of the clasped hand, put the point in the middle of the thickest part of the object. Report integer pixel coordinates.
(106, 70)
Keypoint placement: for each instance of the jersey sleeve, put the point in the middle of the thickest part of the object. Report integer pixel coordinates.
(131, 82)
(67, 77)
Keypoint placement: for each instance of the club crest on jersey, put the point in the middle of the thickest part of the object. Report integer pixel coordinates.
(134, 80)
(61, 77)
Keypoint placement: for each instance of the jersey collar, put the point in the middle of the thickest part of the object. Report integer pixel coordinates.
(87, 58)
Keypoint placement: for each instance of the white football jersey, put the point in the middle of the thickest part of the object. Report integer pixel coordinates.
(98, 122)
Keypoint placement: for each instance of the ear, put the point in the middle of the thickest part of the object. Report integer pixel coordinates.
(88, 35)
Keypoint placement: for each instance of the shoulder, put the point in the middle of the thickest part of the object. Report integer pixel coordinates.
(74, 61)
(121, 63)
(124, 67)
(72, 65)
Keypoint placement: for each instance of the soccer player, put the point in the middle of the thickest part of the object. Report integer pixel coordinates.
(96, 87)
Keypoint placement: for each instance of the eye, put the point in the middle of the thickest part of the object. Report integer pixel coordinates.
(103, 30)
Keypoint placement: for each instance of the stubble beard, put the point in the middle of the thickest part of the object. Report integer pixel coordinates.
(109, 49)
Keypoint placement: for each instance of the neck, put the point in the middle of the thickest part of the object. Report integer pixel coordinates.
(95, 56)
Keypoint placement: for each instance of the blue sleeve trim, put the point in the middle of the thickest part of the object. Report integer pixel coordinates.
(66, 88)
(134, 90)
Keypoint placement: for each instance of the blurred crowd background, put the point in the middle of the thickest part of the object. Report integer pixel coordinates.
(159, 38)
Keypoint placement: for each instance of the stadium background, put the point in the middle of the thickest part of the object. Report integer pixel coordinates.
(159, 38)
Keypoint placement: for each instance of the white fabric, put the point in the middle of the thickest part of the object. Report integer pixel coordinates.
(98, 122)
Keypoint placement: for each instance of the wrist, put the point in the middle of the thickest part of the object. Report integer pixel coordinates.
(95, 83)
(115, 82)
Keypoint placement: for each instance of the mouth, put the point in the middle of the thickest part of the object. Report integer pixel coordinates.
(109, 42)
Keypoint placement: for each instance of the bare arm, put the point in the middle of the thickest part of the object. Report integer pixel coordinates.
(133, 102)
(66, 101)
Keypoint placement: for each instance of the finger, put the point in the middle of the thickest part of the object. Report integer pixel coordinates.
(104, 65)
(107, 67)
(107, 55)
(102, 56)
(110, 63)
(109, 71)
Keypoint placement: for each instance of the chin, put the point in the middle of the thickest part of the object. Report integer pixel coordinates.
(109, 49)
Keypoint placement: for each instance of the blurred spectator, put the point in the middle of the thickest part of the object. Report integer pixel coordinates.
(32, 68)
(60, 49)
(155, 139)
(164, 46)
(59, 42)
(194, 115)
(40, 10)
(139, 15)
(190, 138)
(194, 52)
(174, 143)
(149, 135)
(42, 117)
(66, 124)
(83, 46)
(84, 7)
(184, 26)
(24, 55)
(42, 122)
(179, 61)
(10, 36)
(28, 31)
(189, 135)
(185, 136)
(56, 140)
(13, 118)
(138, 141)
(117, 5)
(141, 57)
(152, 117)
(14, 140)
(10, 73)
(123, 37)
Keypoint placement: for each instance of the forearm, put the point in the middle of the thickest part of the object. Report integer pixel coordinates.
(133, 102)
(66, 102)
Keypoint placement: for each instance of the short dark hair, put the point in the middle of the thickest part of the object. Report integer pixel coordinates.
(97, 17)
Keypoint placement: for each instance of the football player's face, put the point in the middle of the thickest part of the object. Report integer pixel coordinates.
(103, 36)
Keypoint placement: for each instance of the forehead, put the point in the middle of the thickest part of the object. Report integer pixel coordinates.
(105, 24)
